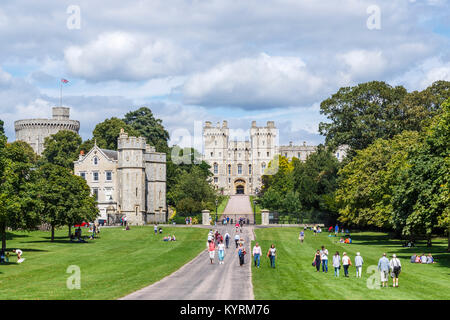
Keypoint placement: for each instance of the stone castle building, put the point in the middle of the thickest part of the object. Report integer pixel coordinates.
(237, 166)
(34, 131)
(130, 181)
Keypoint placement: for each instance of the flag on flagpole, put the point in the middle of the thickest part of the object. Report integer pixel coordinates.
(64, 80)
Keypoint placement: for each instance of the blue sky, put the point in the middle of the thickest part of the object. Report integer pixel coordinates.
(197, 60)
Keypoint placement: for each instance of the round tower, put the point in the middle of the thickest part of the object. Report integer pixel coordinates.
(34, 131)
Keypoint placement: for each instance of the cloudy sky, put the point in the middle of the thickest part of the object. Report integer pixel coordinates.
(198, 60)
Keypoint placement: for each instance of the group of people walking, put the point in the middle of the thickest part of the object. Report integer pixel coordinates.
(385, 266)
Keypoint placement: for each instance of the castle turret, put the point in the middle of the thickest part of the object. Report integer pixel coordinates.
(131, 175)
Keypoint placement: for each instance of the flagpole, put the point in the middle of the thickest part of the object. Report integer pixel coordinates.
(60, 94)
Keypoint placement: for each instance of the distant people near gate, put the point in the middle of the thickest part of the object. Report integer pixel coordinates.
(236, 239)
(227, 239)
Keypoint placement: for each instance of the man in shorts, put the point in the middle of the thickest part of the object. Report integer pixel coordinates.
(211, 250)
(383, 267)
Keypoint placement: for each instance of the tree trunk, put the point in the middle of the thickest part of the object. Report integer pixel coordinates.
(3, 231)
(448, 246)
(53, 234)
(429, 240)
(70, 230)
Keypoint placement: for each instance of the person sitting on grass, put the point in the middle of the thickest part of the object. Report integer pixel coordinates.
(19, 253)
(418, 260)
(166, 239)
(423, 259)
(173, 238)
(341, 240)
(413, 258)
(430, 258)
(160, 230)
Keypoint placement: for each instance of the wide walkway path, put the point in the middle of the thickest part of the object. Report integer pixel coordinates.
(239, 206)
(201, 280)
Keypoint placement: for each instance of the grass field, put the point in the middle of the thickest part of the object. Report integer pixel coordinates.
(117, 263)
(295, 278)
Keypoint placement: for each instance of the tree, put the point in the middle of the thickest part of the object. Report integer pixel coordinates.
(366, 183)
(62, 148)
(315, 180)
(19, 200)
(359, 115)
(192, 192)
(421, 198)
(374, 110)
(107, 132)
(66, 198)
(143, 121)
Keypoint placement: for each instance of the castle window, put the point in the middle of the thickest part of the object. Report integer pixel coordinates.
(229, 169)
(95, 176)
(268, 154)
(95, 193)
(216, 168)
(212, 154)
(229, 180)
(250, 180)
(215, 142)
(285, 154)
(108, 176)
(298, 155)
(264, 142)
(108, 194)
(216, 180)
(263, 167)
(239, 168)
(337, 155)
(249, 169)
(259, 154)
(95, 160)
(83, 175)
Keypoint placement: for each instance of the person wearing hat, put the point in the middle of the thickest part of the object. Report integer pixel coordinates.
(383, 267)
(358, 264)
(395, 267)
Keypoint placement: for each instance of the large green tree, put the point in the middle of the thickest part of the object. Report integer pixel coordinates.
(366, 183)
(19, 199)
(149, 127)
(65, 197)
(315, 180)
(192, 192)
(62, 148)
(421, 198)
(107, 132)
(361, 114)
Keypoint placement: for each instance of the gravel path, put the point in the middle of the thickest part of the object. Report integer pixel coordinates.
(200, 280)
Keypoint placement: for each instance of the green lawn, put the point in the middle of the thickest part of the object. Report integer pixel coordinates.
(221, 207)
(117, 263)
(295, 278)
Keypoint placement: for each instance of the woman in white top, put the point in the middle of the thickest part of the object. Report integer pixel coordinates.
(271, 254)
(346, 262)
(221, 251)
(336, 263)
(358, 264)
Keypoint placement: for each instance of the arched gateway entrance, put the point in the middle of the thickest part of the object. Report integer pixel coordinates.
(239, 186)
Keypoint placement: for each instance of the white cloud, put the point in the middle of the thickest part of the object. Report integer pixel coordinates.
(125, 56)
(261, 82)
(363, 64)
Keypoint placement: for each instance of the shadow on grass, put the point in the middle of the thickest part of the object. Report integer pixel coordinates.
(11, 236)
(59, 241)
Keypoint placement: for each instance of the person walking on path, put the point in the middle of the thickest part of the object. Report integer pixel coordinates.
(301, 236)
(237, 237)
(346, 263)
(211, 250)
(317, 260)
(358, 264)
(324, 258)
(227, 239)
(221, 251)
(383, 267)
(256, 254)
(241, 253)
(395, 267)
(272, 254)
(336, 263)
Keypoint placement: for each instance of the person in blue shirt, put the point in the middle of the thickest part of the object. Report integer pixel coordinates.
(336, 229)
(383, 267)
